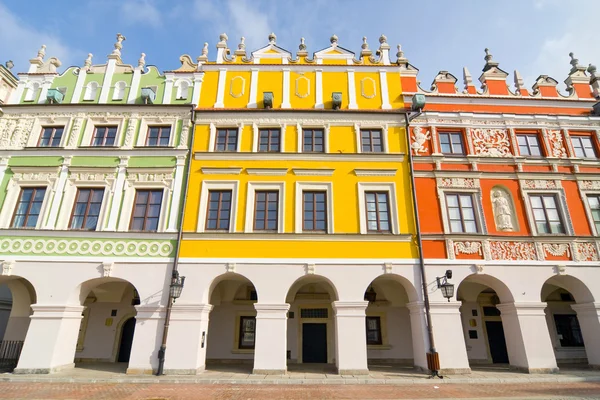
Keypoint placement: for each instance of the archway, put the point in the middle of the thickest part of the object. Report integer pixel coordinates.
(106, 323)
(16, 297)
(564, 295)
(484, 330)
(231, 332)
(311, 323)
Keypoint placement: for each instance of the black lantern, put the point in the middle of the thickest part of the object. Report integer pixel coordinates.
(371, 295)
(176, 286)
(446, 288)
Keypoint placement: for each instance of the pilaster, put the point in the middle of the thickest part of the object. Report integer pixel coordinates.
(149, 321)
(319, 88)
(106, 84)
(286, 89)
(253, 88)
(449, 337)
(115, 206)
(588, 315)
(221, 88)
(350, 337)
(58, 194)
(351, 90)
(270, 351)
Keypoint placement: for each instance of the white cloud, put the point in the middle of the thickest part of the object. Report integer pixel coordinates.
(21, 41)
(141, 11)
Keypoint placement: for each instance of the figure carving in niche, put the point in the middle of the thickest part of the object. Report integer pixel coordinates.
(503, 212)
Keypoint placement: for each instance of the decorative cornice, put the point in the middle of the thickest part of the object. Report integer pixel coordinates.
(267, 171)
(313, 171)
(221, 171)
(375, 172)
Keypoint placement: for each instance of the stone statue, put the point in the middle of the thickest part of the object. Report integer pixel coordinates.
(502, 211)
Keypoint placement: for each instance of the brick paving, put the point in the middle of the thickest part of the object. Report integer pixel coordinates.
(185, 391)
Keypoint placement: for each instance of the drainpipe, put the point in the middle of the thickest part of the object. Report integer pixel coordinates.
(175, 272)
(432, 356)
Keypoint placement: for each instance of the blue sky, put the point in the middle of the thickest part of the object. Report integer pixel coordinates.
(533, 36)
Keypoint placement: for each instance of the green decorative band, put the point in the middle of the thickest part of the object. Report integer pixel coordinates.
(78, 247)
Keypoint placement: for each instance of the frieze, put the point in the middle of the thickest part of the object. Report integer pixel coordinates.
(512, 251)
(557, 249)
(589, 185)
(490, 142)
(34, 176)
(556, 143)
(540, 184)
(91, 176)
(149, 177)
(585, 251)
(467, 248)
(77, 247)
(467, 183)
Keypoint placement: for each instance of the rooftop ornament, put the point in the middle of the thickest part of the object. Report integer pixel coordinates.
(333, 39)
(142, 60)
(272, 38)
(9, 64)
(87, 64)
(118, 45)
(489, 61)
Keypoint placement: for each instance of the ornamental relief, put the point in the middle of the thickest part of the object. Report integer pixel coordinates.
(540, 184)
(557, 149)
(77, 247)
(21, 133)
(557, 249)
(458, 183)
(368, 88)
(503, 208)
(91, 176)
(589, 185)
(585, 252)
(490, 142)
(302, 87)
(77, 123)
(419, 138)
(34, 176)
(512, 251)
(467, 248)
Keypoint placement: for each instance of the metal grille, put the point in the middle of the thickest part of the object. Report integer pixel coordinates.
(10, 350)
(313, 313)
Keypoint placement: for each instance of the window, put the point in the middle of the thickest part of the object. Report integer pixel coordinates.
(378, 214)
(119, 90)
(158, 136)
(104, 136)
(461, 213)
(313, 141)
(226, 139)
(583, 146)
(219, 210)
(545, 214)
(146, 211)
(594, 203)
(90, 91)
(373, 330)
(269, 140)
(51, 136)
(247, 332)
(28, 207)
(87, 209)
(568, 330)
(371, 141)
(266, 209)
(314, 211)
(451, 143)
(529, 145)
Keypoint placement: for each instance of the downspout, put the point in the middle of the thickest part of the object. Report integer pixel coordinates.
(175, 272)
(433, 365)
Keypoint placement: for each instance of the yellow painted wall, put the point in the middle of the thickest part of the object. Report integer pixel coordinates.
(305, 80)
(208, 95)
(270, 81)
(236, 80)
(369, 84)
(335, 82)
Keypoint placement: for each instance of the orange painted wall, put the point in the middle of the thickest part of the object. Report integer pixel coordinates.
(434, 249)
(576, 209)
(429, 206)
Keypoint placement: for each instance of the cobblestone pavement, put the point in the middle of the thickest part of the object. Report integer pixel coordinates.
(185, 391)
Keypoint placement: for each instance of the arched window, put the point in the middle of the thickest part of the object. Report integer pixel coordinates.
(119, 91)
(182, 90)
(32, 91)
(90, 91)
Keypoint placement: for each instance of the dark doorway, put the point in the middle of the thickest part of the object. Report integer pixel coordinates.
(126, 340)
(497, 342)
(314, 343)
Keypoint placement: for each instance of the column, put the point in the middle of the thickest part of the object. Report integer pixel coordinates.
(147, 338)
(449, 337)
(188, 339)
(51, 339)
(527, 337)
(270, 347)
(350, 337)
(418, 329)
(588, 315)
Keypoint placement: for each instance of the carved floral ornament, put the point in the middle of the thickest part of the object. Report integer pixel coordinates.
(557, 249)
(585, 251)
(541, 184)
(589, 185)
(458, 183)
(491, 142)
(555, 141)
(512, 250)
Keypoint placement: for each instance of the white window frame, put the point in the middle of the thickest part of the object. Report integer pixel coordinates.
(177, 85)
(300, 132)
(49, 122)
(561, 202)
(121, 85)
(131, 188)
(88, 133)
(576, 134)
(476, 196)
(251, 199)
(71, 189)
(203, 207)
(384, 136)
(147, 122)
(389, 187)
(326, 187)
(213, 136)
(256, 134)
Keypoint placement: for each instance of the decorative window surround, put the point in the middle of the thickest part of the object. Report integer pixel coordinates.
(326, 187)
(146, 122)
(253, 187)
(375, 172)
(461, 185)
(213, 135)
(312, 171)
(86, 178)
(203, 207)
(384, 135)
(146, 178)
(300, 133)
(256, 134)
(589, 187)
(393, 204)
(28, 177)
(119, 90)
(91, 124)
(535, 186)
(221, 171)
(39, 122)
(32, 90)
(267, 171)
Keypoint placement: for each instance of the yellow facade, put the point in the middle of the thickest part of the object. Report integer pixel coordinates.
(343, 170)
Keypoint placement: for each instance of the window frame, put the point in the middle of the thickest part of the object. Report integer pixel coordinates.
(212, 140)
(207, 186)
(160, 128)
(527, 136)
(559, 341)
(254, 187)
(378, 330)
(314, 219)
(452, 145)
(227, 131)
(358, 127)
(54, 128)
(377, 211)
(240, 332)
(147, 205)
(312, 137)
(267, 194)
(595, 229)
(301, 187)
(559, 211)
(300, 128)
(580, 137)
(148, 122)
(85, 216)
(370, 131)
(115, 143)
(206, 223)
(40, 215)
(390, 187)
(269, 131)
(559, 192)
(478, 229)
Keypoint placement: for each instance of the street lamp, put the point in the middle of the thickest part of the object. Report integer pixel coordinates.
(446, 288)
(176, 286)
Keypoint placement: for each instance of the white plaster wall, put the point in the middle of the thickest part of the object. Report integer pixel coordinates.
(222, 329)
(398, 334)
(570, 354)
(476, 348)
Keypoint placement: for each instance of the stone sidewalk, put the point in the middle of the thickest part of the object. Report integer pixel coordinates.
(304, 374)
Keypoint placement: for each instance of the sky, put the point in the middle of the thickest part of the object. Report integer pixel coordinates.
(532, 36)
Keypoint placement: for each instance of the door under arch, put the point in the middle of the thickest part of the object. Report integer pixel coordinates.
(126, 340)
